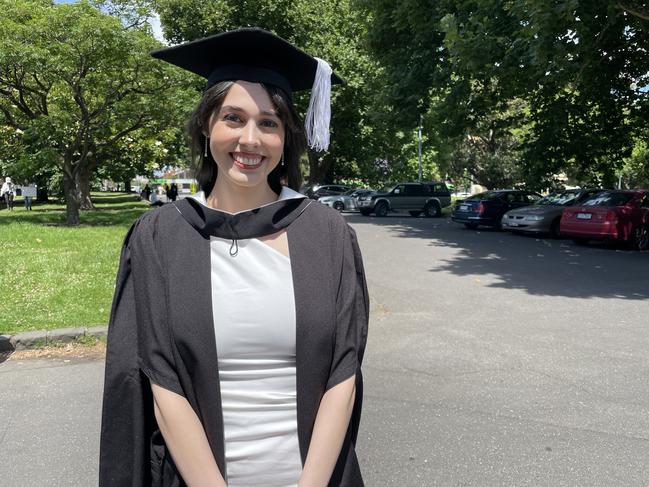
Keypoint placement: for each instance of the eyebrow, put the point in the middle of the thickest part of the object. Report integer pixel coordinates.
(272, 113)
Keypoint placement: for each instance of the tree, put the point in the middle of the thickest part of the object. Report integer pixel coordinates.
(577, 65)
(77, 81)
(635, 173)
(140, 154)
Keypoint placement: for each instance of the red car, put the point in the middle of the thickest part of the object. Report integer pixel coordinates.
(621, 216)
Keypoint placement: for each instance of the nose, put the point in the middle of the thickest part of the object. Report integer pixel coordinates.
(249, 134)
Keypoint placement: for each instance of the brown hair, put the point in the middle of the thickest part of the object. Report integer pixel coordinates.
(205, 168)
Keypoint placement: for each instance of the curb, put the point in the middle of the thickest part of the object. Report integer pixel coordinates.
(42, 338)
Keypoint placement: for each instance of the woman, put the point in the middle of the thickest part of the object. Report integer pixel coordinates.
(240, 315)
(7, 192)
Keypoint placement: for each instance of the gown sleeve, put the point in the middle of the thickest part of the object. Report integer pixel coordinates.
(352, 314)
(156, 349)
(134, 330)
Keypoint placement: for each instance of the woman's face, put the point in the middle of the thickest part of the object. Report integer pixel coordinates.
(246, 136)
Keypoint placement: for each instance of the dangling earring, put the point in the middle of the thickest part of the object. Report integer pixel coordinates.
(281, 161)
(206, 140)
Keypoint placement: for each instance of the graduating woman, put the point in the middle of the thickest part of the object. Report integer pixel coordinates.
(240, 315)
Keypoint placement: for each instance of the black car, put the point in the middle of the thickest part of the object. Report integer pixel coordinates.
(489, 207)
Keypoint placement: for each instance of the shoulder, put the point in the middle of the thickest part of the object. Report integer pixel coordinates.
(330, 225)
(153, 224)
(327, 218)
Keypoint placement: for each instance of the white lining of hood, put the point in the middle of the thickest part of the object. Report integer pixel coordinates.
(286, 194)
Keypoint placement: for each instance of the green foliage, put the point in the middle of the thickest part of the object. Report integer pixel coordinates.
(76, 82)
(635, 173)
(577, 65)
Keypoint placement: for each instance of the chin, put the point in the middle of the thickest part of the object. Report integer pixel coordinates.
(247, 180)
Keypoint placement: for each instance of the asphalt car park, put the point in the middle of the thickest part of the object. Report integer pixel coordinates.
(496, 359)
(492, 360)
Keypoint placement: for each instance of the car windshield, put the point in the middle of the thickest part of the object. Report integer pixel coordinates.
(562, 198)
(608, 199)
(387, 188)
(349, 192)
(489, 195)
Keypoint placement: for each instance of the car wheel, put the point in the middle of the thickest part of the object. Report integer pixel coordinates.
(381, 209)
(415, 213)
(338, 205)
(432, 210)
(580, 241)
(640, 238)
(366, 212)
(471, 226)
(555, 228)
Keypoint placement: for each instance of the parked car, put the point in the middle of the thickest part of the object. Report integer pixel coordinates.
(545, 215)
(347, 201)
(415, 198)
(489, 207)
(319, 190)
(621, 216)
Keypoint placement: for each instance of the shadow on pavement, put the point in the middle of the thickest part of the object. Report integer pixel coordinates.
(539, 266)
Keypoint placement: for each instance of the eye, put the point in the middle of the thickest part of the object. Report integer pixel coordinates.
(269, 123)
(232, 117)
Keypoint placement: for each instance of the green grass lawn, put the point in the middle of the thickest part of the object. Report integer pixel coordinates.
(54, 276)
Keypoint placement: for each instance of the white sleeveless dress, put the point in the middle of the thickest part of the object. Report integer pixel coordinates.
(254, 320)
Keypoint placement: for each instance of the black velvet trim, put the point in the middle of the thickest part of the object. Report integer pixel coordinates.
(247, 224)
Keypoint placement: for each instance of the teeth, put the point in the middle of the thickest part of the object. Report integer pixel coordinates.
(248, 161)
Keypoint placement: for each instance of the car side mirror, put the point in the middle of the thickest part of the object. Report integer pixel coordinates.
(397, 191)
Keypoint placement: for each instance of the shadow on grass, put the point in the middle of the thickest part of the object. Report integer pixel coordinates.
(112, 209)
(114, 198)
(538, 266)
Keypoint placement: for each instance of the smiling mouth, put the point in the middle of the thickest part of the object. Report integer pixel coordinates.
(247, 161)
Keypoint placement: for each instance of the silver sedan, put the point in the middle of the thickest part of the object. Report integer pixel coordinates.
(348, 201)
(544, 216)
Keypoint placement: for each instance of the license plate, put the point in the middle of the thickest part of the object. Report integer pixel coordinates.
(512, 224)
(584, 216)
(464, 207)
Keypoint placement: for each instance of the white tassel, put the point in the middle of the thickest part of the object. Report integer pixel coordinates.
(319, 113)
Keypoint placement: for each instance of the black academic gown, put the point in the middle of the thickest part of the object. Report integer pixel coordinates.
(161, 330)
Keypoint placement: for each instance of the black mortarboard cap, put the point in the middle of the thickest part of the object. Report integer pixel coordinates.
(249, 54)
(259, 56)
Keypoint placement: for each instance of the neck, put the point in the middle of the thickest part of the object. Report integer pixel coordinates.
(231, 199)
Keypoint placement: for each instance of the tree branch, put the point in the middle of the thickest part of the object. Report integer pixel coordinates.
(634, 12)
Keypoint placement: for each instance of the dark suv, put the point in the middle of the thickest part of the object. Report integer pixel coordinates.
(414, 198)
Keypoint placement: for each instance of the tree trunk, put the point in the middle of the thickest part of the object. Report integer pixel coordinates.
(84, 188)
(42, 193)
(318, 168)
(72, 197)
(127, 186)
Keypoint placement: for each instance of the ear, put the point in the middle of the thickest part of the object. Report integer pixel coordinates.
(208, 128)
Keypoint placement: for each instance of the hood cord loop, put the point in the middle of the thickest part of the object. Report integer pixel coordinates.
(235, 246)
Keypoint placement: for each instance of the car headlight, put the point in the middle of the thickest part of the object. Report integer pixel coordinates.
(534, 218)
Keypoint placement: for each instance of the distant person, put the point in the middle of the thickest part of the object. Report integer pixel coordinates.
(155, 200)
(166, 191)
(8, 191)
(146, 192)
(172, 194)
(27, 198)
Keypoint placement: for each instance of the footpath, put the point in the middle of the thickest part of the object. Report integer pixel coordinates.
(43, 338)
